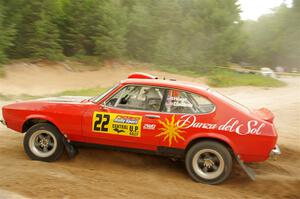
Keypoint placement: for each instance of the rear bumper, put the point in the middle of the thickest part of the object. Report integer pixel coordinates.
(3, 122)
(276, 151)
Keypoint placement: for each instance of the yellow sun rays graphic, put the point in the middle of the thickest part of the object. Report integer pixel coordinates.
(170, 131)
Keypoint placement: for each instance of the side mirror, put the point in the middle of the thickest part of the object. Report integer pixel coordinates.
(103, 107)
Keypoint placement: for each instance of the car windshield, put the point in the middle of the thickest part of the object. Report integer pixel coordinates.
(99, 97)
(229, 101)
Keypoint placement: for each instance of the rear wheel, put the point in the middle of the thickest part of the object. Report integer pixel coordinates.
(43, 142)
(208, 162)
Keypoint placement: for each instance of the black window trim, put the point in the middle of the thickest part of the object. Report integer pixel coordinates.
(164, 98)
(136, 85)
(109, 91)
(163, 102)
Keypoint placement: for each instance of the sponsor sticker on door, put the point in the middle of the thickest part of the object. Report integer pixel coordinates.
(117, 124)
(149, 126)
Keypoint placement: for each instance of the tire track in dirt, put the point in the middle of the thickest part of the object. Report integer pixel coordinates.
(108, 174)
(127, 175)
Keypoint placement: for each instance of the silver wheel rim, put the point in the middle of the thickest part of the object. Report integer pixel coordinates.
(208, 164)
(42, 143)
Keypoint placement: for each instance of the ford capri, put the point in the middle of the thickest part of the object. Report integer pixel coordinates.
(180, 120)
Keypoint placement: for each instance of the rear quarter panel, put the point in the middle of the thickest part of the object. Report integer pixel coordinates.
(251, 138)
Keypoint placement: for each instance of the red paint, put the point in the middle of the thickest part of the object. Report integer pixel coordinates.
(141, 76)
(251, 134)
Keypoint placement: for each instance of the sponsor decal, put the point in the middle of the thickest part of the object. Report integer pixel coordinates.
(170, 131)
(178, 101)
(252, 127)
(149, 126)
(126, 119)
(118, 124)
(174, 131)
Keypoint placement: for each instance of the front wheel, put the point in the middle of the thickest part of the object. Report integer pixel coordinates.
(43, 142)
(208, 162)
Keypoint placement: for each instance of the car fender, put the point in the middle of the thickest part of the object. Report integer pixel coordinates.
(42, 117)
(211, 135)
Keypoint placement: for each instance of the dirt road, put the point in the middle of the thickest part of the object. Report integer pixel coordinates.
(43, 79)
(106, 174)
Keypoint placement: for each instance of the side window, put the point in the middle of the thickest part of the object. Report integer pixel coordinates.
(138, 97)
(203, 104)
(184, 102)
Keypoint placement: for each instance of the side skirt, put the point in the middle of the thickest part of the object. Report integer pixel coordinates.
(161, 150)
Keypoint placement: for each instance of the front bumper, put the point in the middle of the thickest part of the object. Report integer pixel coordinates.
(276, 151)
(3, 122)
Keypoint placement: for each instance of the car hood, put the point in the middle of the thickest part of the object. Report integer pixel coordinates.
(67, 99)
(50, 102)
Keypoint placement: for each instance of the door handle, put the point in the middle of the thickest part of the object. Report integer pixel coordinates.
(153, 116)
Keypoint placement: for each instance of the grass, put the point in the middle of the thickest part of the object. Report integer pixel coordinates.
(19, 97)
(215, 78)
(2, 72)
(86, 62)
(83, 92)
(4, 97)
(221, 77)
(181, 71)
(229, 78)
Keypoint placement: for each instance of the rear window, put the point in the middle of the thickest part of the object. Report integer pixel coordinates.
(228, 100)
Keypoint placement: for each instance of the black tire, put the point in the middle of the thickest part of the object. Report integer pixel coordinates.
(214, 156)
(34, 144)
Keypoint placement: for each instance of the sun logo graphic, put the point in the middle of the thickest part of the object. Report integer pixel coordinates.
(170, 131)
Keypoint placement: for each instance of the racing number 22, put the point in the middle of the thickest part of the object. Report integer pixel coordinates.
(101, 122)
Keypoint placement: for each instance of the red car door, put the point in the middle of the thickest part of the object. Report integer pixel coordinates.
(181, 113)
(127, 119)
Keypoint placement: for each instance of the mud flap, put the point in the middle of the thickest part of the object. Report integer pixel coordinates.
(72, 151)
(250, 172)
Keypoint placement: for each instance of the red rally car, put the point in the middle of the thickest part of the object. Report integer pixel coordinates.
(155, 116)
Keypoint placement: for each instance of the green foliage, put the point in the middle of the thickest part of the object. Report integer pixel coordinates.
(100, 30)
(7, 32)
(2, 72)
(38, 35)
(140, 41)
(274, 39)
(110, 38)
(184, 32)
(228, 78)
(196, 34)
(77, 26)
(45, 44)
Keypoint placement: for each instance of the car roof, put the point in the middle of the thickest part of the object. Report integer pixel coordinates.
(182, 85)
